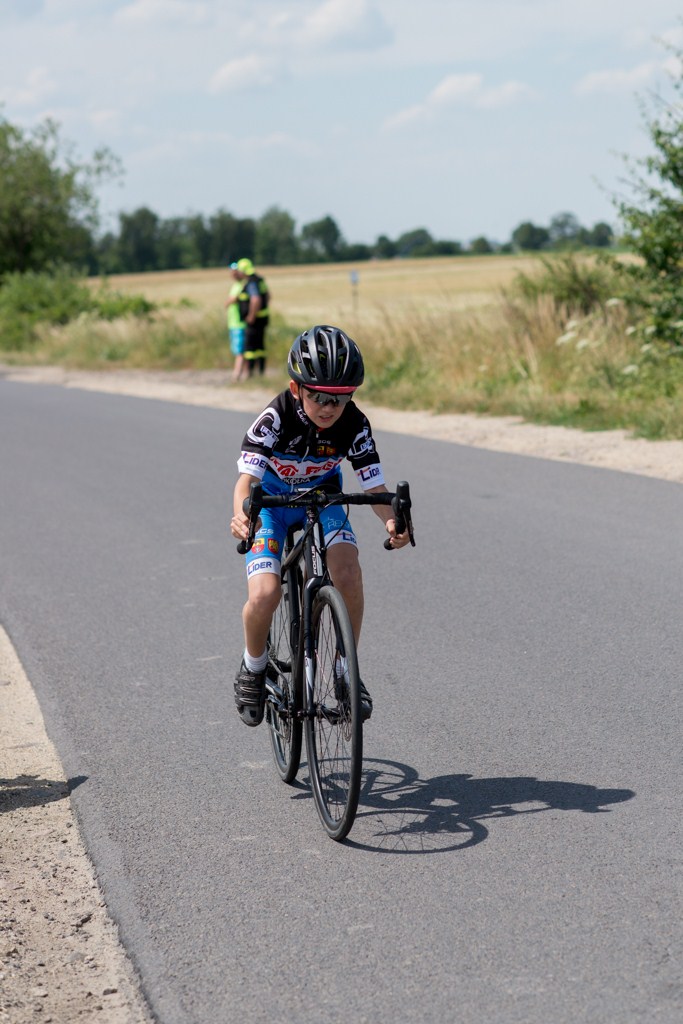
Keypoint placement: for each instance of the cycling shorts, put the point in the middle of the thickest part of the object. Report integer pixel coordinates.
(269, 541)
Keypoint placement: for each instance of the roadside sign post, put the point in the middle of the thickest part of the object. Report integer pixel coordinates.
(354, 290)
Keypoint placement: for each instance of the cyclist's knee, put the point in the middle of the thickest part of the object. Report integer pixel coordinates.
(264, 594)
(344, 566)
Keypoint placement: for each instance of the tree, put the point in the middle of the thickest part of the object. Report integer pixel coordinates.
(414, 243)
(600, 236)
(138, 240)
(169, 242)
(564, 231)
(199, 238)
(653, 221)
(529, 236)
(480, 246)
(444, 247)
(231, 238)
(321, 240)
(384, 248)
(48, 209)
(275, 238)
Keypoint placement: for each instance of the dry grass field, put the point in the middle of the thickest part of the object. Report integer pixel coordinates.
(452, 334)
(323, 292)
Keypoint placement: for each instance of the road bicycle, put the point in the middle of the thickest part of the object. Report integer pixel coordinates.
(312, 680)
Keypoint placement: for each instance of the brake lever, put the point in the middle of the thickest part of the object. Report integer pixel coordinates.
(401, 505)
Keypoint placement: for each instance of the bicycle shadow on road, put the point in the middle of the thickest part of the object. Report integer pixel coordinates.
(401, 813)
(32, 791)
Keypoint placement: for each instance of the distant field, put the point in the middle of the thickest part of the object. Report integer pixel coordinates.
(453, 334)
(323, 292)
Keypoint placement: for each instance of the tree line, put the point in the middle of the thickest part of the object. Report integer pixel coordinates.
(48, 215)
(145, 241)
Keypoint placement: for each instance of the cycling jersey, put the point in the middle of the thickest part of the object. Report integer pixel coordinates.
(284, 449)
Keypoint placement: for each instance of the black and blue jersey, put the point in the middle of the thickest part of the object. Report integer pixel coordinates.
(284, 449)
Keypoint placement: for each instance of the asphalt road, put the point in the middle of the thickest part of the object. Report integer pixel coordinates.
(517, 854)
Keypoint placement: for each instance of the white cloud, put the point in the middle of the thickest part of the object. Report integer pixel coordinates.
(248, 72)
(453, 89)
(504, 95)
(105, 119)
(279, 140)
(37, 87)
(460, 90)
(617, 80)
(163, 11)
(346, 24)
(330, 27)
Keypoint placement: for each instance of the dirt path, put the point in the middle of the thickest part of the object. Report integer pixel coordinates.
(60, 958)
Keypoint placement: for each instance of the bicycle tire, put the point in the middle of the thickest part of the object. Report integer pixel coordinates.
(334, 731)
(281, 675)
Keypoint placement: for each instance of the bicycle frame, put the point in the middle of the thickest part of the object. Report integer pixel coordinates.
(310, 548)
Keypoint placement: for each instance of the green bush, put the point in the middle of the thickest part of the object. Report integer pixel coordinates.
(110, 305)
(57, 298)
(577, 284)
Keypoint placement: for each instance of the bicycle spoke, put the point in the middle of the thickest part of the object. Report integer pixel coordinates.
(334, 734)
(285, 729)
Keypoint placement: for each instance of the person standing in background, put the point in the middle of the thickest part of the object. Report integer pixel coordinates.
(236, 327)
(253, 301)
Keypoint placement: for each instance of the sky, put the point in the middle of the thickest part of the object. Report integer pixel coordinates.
(464, 117)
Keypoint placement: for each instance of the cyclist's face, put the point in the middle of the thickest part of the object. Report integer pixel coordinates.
(321, 415)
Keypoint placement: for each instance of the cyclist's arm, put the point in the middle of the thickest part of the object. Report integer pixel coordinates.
(386, 514)
(239, 524)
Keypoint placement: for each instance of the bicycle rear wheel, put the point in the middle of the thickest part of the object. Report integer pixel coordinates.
(281, 683)
(334, 733)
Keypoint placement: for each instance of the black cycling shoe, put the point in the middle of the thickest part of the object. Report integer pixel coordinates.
(340, 691)
(365, 702)
(250, 695)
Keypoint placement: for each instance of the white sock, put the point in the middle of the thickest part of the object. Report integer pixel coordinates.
(341, 667)
(255, 664)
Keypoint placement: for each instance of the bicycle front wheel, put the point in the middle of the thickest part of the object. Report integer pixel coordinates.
(334, 733)
(281, 682)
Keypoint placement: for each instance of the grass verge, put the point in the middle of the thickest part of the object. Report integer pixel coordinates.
(558, 347)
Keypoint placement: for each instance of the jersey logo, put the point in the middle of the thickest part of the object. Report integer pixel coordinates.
(362, 443)
(291, 447)
(266, 430)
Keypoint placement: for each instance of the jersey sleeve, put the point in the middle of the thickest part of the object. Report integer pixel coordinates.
(363, 455)
(259, 441)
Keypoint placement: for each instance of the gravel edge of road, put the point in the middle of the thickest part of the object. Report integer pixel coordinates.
(60, 955)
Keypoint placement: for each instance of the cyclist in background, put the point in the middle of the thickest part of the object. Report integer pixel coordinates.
(301, 438)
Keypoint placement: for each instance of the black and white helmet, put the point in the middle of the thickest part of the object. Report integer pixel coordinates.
(326, 359)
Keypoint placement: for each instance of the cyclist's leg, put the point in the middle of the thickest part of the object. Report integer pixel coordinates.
(343, 563)
(347, 577)
(263, 586)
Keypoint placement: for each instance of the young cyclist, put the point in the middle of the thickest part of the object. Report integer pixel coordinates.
(301, 439)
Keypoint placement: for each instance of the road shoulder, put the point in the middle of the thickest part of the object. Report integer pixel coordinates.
(60, 955)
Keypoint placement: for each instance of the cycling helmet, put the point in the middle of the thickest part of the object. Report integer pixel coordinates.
(326, 359)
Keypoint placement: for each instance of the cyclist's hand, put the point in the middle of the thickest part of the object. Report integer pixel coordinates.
(398, 540)
(239, 526)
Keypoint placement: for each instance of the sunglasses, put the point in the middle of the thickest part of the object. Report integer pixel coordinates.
(321, 398)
